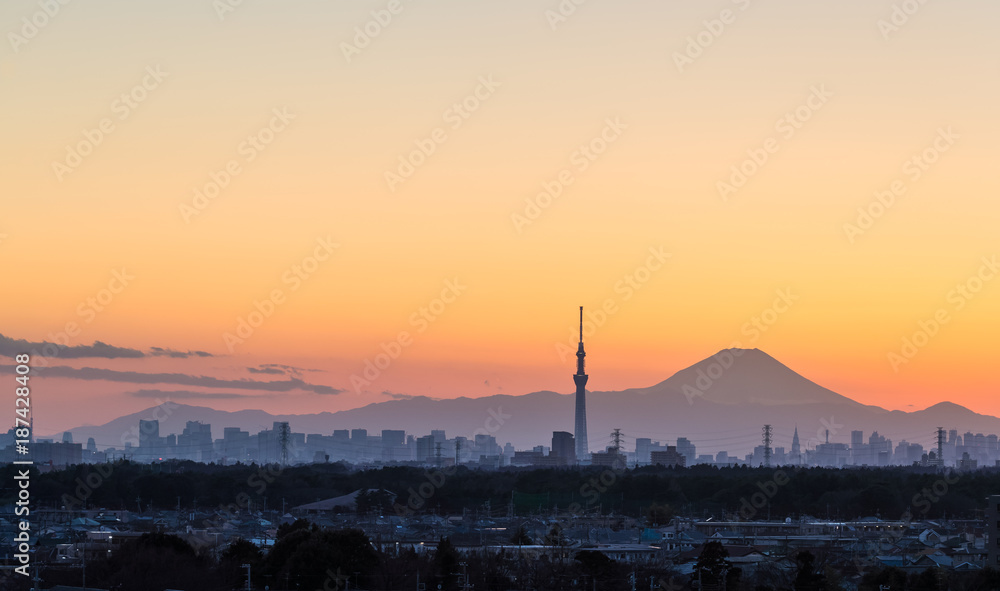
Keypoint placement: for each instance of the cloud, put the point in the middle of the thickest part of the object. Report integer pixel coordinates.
(161, 352)
(134, 377)
(176, 394)
(398, 396)
(10, 347)
(270, 370)
(279, 369)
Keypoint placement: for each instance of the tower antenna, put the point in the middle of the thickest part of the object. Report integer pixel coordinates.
(767, 445)
(580, 379)
(940, 447)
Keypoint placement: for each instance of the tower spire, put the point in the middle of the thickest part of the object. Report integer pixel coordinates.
(580, 379)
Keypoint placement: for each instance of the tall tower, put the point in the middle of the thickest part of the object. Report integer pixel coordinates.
(767, 444)
(940, 447)
(796, 450)
(580, 379)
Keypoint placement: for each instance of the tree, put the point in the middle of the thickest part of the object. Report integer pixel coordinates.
(374, 500)
(712, 565)
(157, 561)
(521, 537)
(891, 577)
(233, 558)
(806, 577)
(926, 580)
(658, 515)
(555, 536)
(325, 558)
(597, 566)
(446, 564)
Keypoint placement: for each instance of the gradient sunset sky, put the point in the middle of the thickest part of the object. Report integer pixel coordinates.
(540, 95)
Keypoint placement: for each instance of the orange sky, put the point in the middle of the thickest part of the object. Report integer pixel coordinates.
(557, 151)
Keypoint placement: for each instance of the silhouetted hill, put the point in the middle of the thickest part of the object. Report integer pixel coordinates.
(719, 403)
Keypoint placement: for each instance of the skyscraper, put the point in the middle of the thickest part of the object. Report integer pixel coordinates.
(563, 447)
(580, 379)
(796, 456)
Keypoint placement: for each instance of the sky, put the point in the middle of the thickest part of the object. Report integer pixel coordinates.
(224, 194)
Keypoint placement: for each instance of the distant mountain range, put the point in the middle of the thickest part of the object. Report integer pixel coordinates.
(719, 403)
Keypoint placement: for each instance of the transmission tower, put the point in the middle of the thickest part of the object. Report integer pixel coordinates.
(458, 450)
(616, 441)
(940, 442)
(767, 445)
(284, 439)
(437, 454)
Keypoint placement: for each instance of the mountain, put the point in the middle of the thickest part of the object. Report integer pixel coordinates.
(719, 403)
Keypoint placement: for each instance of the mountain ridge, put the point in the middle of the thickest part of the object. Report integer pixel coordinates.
(734, 392)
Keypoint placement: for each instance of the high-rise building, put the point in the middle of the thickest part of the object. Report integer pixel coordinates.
(992, 531)
(425, 448)
(686, 449)
(669, 457)
(643, 447)
(359, 444)
(393, 445)
(195, 442)
(564, 446)
(580, 379)
(149, 433)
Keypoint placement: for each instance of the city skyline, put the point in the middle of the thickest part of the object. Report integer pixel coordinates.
(284, 188)
(740, 380)
(545, 295)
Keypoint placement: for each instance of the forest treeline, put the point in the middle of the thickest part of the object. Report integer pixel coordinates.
(698, 491)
